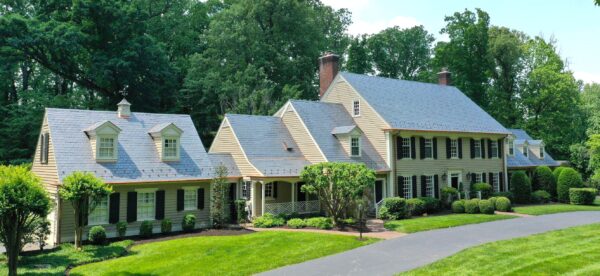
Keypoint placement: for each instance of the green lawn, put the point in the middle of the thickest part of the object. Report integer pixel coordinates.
(556, 208)
(223, 255)
(444, 221)
(56, 261)
(572, 251)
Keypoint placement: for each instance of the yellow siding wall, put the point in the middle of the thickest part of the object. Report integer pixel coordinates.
(301, 136)
(225, 142)
(47, 172)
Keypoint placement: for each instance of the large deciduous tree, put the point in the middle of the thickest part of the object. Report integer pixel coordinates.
(337, 185)
(359, 58)
(23, 201)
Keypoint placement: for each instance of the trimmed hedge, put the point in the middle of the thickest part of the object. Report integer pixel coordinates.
(415, 206)
(540, 196)
(543, 179)
(166, 226)
(268, 220)
(319, 222)
(121, 229)
(508, 195)
(493, 201)
(486, 207)
(557, 171)
(188, 223)
(472, 206)
(432, 204)
(97, 235)
(448, 195)
(582, 196)
(520, 186)
(503, 204)
(569, 178)
(146, 229)
(485, 189)
(394, 208)
(458, 206)
(296, 223)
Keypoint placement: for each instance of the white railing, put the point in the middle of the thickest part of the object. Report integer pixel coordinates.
(300, 207)
(377, 207)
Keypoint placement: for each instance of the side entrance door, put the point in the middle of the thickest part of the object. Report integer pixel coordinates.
(378, 190)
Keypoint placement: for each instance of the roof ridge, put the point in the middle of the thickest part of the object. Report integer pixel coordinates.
(401, 80)
(250, 115)
(110, 111)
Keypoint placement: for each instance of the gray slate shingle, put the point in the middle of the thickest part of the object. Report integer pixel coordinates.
(519, 160)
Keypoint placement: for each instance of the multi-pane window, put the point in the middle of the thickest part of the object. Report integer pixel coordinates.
(356, 108)
(170, 148)
(106, 148)
(269, 190)
(541, 152)
(190, 199)
(246, 189)
(407, 189)
(99, 215)
(453, 148)
(406, 148)
(511, 147)
(355, 146)
(477, 148)
(496, 182)
(145, 206)
(428, 148)
(478, 178)
(429, 190)
(494, 148)
(525, 150)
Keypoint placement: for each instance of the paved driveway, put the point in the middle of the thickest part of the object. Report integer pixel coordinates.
(405, 253)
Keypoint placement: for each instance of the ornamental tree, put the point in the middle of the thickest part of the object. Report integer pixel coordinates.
(219, 189)
(84, 190)
(520, 186)
(23, 201)
(337, 185)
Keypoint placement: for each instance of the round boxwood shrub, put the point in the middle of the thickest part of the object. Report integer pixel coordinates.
(188, 223)
(97, 235)
(121, 229)
(268, 220)
(166, 226)
(508, 195)
(432, 204)
(557, 171)
(543, 179)
(582, 196)
(485, 189)
(540, 196)
(486, 207)
(416, 206)
(458, 206)
(448, 195)
(296, 223)
(146, 229)
(393, 208)
(472, 206)
(520, 186)
(569, 178)
(319, 222)
(503, 204)
(493, 201)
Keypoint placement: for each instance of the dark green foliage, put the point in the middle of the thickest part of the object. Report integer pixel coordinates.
(319, 222)
(520, 187)
(188, 223)
(569, 178)
(240, 207)
(296, 223)
(493, 200)
(557, 171)
(268, 220)
(503, 204)
(543, 179)
(416, 206)
(394, 208)
(146, 229)
(432, 204)
(472, 206)
(486, 207)
(121, 229)
(458, 206)
(448, 194)
(582, 196)
(359, 60)
(219, 190)
(508, 195)
(540, 196)
(97, 235)
(166, 226)
(485, 189)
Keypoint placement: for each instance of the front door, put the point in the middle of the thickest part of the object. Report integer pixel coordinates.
(454, 180)
(378, 190)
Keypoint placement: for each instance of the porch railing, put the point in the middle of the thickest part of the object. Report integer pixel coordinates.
(300, 207)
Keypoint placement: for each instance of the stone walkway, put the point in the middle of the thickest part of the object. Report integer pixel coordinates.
(392, 256)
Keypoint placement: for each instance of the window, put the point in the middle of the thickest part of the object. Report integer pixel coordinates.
(428, 148)
(355, 146)
(525, 150)
(406, 148)
(106, 148)
(407, 191)
(511, 147)
(145, 206)
(541, 152)
(45, 143)
(494, 149)
(477, 148)
(356, 108)
(190, 199)
(170, 148)
(269, 190)
(429, 186)
(100, 214)
(496, 182)
(478, 177)
(453, 148)
(246, 189)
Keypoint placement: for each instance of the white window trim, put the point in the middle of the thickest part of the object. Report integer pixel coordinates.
(542, 152)
(92, 223)
(146, 190)
(497, 149)
(511, 146)
(410, 145)
(190, 189)
(354, 109)
(267, 187)
(496, 179)
(425, 148)
(431, 179)
(359, 146)
(177, 148)
(478, 142)
(480, 175)
(115, 148)
(457, 148)
(410, 186)
(526, 151)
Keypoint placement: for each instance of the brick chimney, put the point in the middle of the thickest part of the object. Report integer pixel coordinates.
(124, 109)
(444, 77)
(328, 69)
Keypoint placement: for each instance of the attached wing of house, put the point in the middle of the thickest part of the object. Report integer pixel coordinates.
(526, 152)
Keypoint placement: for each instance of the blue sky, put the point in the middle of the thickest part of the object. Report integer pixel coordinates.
(575, 24)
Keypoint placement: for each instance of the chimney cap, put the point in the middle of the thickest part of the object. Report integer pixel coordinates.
(444, 71)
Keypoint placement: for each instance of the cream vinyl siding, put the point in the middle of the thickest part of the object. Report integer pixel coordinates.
(301, 136)
(369, 121)
(67, 225)
(226, 142)
(47, 172)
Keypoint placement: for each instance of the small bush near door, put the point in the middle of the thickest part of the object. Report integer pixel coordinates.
(189, 223)
(472, 206)
(540, 196)
(296, 223)
(97, 235)
(458, 207)
(503, 204)
(268, 220)
(121, 229)
(146, 229)
(448, 195)
(485, 189)
(432, 204)
(415, 206)
(582, 196)
(166, 226)
(394, 208)
(240, 207)
(486, 207)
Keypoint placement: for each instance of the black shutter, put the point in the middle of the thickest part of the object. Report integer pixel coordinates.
(459, 148)
(114, 205)
(413, 149)
(422, 147)
(300, 194)
(483, 179)
(400, 191)
(160, 205)
(423, 186)
(398, 147)
(448, 150)
(472, 148)
(473, 179)
(436, 186)
(414, 186)
(274, 189)
(489, 148)
(482, 148)
(500, 148)
(180, 196)
(434, 143)
(501, 180)
(46, 148)
(131, 206)
(201, 198)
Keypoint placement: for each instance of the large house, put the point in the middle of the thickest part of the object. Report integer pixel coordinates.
(525, 153)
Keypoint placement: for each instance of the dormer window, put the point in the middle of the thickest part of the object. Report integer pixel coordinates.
(525, 150)
(356, 108)
(107, 148)
(170, 148)
(541, 152)
(167, 138)
(104, 140)
(511, 147)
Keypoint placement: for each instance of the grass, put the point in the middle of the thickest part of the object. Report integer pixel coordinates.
(56, 261)
(545, 209)
(444, 221)
(221, 255)
(571, 251)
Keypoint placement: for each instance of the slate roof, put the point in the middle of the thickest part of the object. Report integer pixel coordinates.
(320, 118)
(519, 160)
(415, 105)
(138, 160)
(262, 138)
(225, 159)
(343, 129)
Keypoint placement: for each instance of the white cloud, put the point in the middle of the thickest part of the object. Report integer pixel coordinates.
(587, 77)
(370, 27)
(352, 5)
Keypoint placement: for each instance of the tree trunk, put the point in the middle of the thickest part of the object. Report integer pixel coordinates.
(12, 253)
(78, 225)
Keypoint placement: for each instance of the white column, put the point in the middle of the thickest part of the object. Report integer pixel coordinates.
(253, 198)
(391, 159)
(262, 210)
(294, 197)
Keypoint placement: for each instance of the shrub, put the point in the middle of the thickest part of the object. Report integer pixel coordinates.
(472, 206)
(503, 204)
(458, 206)
(268, 220)
(540, 196)
(432, 204)
(582, 196)
(486, 207)
(166, 226)
(557, 172)
(484, 188)
(508, 195)
(543, 179)
(415, 206)
(393, 208)
(448, 195)
(319, 222)
(240, 207)
(97, 235)
(349, 221)
(569, 178)
(121, 229)
(520, 187)
(296, 223)
(188, 223)
(493, 201)
(146, 229)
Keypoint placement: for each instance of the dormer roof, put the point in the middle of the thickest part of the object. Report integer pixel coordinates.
(346, 130)
(519, 160)
(162, 128)
(92, 129)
